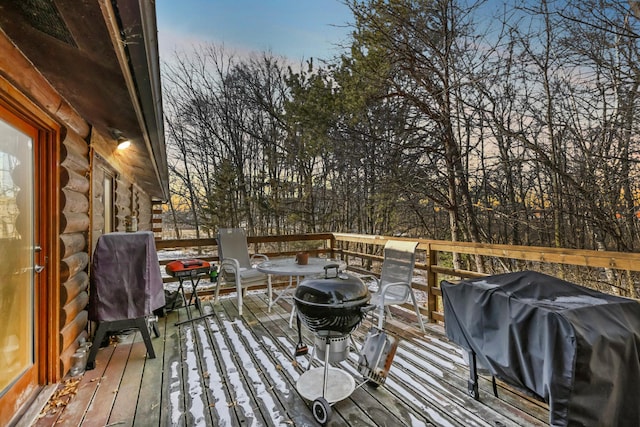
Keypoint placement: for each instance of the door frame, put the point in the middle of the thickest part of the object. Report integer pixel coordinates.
(47, 283)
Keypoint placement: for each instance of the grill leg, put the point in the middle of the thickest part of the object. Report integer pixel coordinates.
(194, 293)
(301, 349)
(181, 290)
(97, 339)
(141, 323)
(472, 384)
(327, 348)
(118, 325)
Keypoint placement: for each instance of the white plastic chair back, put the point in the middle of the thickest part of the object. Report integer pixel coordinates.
(397, 266)
(232, 243)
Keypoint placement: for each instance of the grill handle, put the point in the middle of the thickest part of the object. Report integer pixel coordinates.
(330, 266)
(367, 308)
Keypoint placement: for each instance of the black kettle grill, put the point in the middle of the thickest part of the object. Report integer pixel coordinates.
(332, 305)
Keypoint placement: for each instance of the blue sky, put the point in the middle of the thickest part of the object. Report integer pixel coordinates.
(296, 29)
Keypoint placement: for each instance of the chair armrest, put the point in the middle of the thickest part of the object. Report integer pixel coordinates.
(262, 257)
(386, 287)
(230, 264)
(371, 277)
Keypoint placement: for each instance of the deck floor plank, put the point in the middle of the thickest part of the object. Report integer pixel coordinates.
(101, 406)
(222, 409)
(124, 407)
(150, 394)
(74, 412)
(194, 377)
(226, 370)
(234, 406)
(255, 366)
(172, 407)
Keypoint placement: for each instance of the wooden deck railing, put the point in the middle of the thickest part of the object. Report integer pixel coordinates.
(612, 272)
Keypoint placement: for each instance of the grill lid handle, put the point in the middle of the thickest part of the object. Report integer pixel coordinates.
(329, 266)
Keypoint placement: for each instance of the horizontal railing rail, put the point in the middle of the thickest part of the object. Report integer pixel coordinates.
(612, 272)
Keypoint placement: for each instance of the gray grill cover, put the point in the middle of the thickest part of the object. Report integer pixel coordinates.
(576, 348)
(126, 282)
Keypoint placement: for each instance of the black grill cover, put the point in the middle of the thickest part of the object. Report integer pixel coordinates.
(126, 282)
(576, 348)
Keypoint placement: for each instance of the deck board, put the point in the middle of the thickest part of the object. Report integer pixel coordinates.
(228, 371)
(149, 399)
(124, 407)
(75, 410)
(98, 412)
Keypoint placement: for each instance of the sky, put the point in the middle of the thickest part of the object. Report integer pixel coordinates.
(295, 29)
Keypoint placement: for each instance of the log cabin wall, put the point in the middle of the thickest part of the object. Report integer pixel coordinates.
(122, 203)
(101, 194)
(74, 228)
(156, 219)
(132, 206)
(24, 88)
(79, 83)
(143, 209)
(114, 201)
(81, 219)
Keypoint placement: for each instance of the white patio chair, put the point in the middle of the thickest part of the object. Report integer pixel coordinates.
(236, 267)
(394, 284)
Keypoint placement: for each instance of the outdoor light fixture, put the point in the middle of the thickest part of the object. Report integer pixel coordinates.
(123, 143)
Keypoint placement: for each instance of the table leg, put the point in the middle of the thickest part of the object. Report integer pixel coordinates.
(282, 293)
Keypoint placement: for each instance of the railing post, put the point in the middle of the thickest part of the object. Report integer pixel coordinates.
(332, 247)
(432, 281)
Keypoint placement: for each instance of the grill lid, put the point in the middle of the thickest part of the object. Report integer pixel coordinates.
(340, 291)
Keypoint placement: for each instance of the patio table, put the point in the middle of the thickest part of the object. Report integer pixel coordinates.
(289, 267)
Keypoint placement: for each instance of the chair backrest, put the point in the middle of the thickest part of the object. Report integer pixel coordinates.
(397, 266)
(232, 243)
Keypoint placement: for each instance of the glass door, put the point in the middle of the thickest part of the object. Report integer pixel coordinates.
(17, 254)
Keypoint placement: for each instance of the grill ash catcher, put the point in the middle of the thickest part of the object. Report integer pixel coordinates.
(332, 307)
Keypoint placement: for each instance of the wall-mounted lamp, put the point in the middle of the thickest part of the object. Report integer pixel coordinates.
(123, 143)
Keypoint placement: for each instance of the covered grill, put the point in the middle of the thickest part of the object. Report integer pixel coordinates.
(125, 287)
(576, 348)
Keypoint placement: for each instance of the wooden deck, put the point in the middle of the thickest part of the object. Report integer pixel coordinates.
(226, 371)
